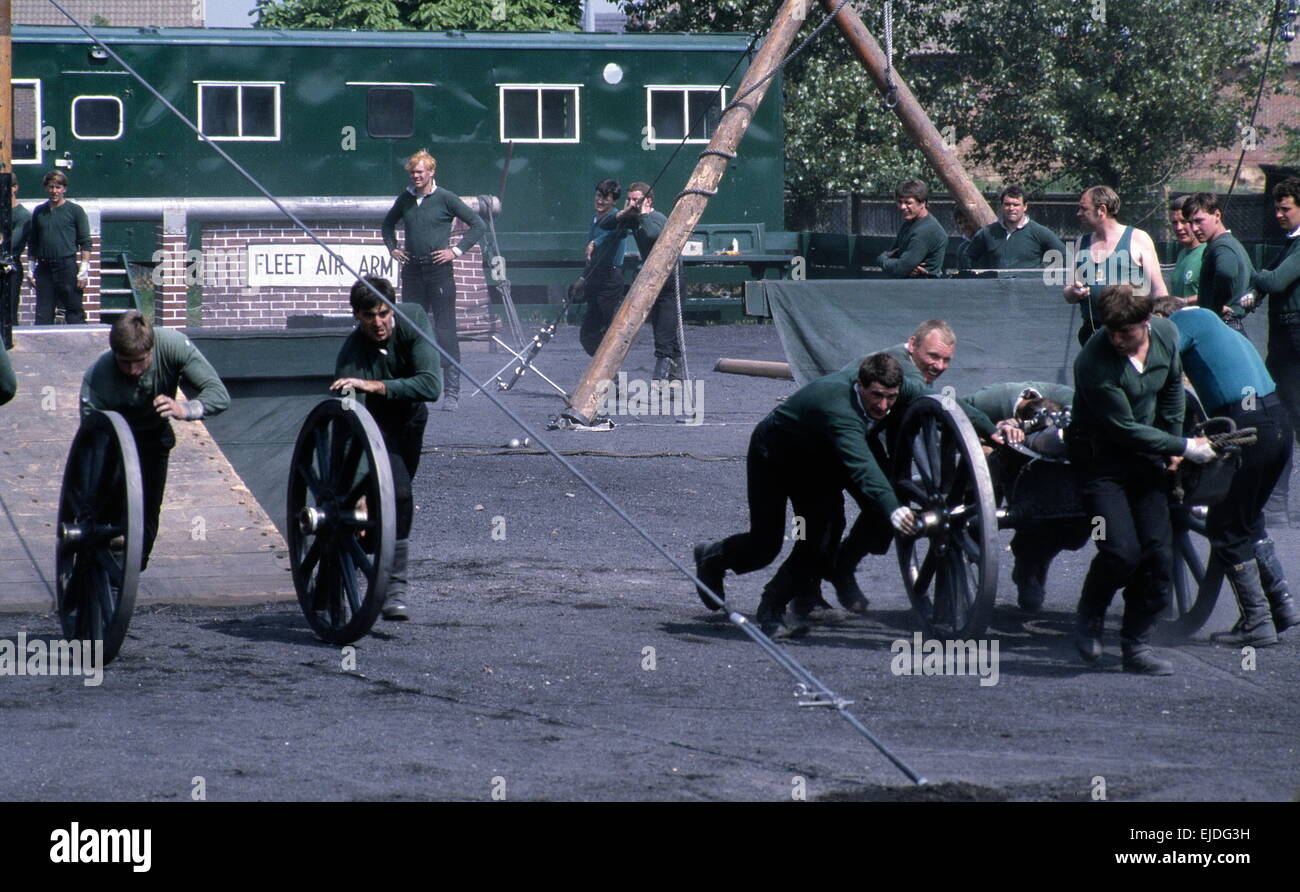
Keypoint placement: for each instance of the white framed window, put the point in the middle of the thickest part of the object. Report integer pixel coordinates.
(27, 121)
(97, 117)
(677, 112)
(240, 110)
(539, 112)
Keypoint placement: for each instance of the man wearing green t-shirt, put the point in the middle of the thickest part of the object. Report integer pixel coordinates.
(1185, 280)
(919, 248)
(137, 377)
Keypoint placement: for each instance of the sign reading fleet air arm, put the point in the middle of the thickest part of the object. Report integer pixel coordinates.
(304, 266)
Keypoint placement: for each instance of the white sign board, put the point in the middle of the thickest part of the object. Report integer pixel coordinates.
(303, 266)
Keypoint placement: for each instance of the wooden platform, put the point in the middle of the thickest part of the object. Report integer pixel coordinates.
(215, 543)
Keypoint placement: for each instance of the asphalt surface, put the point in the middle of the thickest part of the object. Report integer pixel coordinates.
(526, 672)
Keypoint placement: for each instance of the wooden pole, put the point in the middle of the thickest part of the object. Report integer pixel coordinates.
(913, 117)
(685, 214)
(758, 368)
(7, 89)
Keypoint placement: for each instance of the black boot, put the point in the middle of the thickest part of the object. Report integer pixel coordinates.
(451, 389)
(710, 570)
(1028, 578)
(1255, 627)
(1273, 579)
(1140, 658)
(1087, 636)
(772, 617)
(809, 606)
(668, 368)
(847, 591)
(394, 607)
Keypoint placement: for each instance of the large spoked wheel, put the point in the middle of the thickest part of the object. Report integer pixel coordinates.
(1197, 579)
(950, 571)
(100, 533)
(342, 520)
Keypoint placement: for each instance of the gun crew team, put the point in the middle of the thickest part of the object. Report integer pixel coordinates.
(1125, 434)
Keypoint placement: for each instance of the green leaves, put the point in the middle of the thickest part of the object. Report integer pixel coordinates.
(431, 15)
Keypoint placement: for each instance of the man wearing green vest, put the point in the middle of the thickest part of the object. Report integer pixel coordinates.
(921, 244)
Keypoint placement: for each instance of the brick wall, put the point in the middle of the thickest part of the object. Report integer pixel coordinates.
(229, 302)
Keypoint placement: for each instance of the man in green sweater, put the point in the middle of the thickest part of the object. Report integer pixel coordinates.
(1013, 241)
(427, 212)
(138, 377)
(397, 371)
(1185, 280)
(1125, 432)
(60, 244)
(919, 247)
(817, 443)
(8, 380)
(1225, 267)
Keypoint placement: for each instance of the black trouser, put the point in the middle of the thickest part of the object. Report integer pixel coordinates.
(1035, 547)
(1283, 362)
(154, 451)
(779, 468)
(1237, 523)
(56, 286)
(663, 318)
(402, 425)
(1135, 547)
(11, 284)
(433, 286)
(604, 293)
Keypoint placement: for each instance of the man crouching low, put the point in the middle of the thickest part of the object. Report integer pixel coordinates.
(807, 451)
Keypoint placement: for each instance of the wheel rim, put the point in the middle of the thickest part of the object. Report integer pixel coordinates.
(950, 570)
(1197, 581)
(342, 520)
(99, 533)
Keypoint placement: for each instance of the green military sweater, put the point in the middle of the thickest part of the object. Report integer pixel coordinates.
(998, 401)
(8, 380)
(1281, 281)
(1186, 277)
(1023, 248)
(428, 222)
(919, 243)
(59, 232)
(406, 363)
(1225, 275)
(828, 415)
(175, 359)
(22, 230)
(1131, 411)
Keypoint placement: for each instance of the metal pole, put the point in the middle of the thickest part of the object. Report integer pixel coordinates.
(913, 117)
(686, 213)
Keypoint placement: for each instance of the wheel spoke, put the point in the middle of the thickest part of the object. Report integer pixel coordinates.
(913, 489)
(967, 544)
(106, 601)
(350, 582)
(322, 456)
(310, 557)
(338, 445)
(115, 571)
(310, 478)
(361, 558)
(925, 573)
(348, 466)
(960, 596)
(356, 492)
(931, 440)
(959, 483)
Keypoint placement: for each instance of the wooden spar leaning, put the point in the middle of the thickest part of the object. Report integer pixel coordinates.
(913, 117)
(7, 90)
(685, 214)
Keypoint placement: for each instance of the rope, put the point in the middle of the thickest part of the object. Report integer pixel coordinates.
(891, 90)
(1259, 95)
(809, 686)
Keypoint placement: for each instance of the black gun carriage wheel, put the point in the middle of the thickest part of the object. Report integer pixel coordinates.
(950, 570)
(342, 520)
(100, 533)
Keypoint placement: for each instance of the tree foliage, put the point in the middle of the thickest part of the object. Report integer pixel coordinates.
(431, 15)
(1127, 93)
